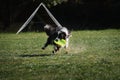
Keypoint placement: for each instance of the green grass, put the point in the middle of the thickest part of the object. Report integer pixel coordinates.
(92, 55)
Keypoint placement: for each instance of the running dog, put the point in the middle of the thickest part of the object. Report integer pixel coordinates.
(57, 36)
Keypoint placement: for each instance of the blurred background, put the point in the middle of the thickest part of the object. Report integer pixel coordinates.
(74, 14)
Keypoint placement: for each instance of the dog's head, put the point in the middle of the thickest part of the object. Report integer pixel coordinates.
(62, 35)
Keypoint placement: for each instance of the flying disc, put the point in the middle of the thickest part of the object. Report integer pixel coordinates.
(60, 42)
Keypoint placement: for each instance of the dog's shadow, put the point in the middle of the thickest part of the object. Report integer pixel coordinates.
(35, 55)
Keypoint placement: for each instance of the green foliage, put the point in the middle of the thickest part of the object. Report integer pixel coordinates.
(93, 55)
(55, 2)
(51, 2)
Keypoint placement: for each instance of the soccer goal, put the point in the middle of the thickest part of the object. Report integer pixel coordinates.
(34, 13)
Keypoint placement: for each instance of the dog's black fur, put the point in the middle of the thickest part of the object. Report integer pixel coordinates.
(55, 33)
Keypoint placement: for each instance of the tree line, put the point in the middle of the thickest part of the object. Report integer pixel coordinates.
(81, 11)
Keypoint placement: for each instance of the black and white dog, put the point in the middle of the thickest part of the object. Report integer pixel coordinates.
(56, 33)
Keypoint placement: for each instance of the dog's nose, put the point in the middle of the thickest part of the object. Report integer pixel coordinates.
(56, 40)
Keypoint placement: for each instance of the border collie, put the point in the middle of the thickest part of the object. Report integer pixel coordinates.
(58, 37)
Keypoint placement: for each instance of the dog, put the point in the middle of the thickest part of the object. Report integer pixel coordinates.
(56, 35)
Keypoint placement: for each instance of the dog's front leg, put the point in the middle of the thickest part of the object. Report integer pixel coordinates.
(56, 48)
(67, 44)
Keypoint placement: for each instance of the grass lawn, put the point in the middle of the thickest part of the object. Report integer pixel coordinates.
(93, 55)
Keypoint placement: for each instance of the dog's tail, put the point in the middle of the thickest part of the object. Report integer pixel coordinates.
(48, 29)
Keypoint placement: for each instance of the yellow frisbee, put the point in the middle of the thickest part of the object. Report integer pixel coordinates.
(60, 42)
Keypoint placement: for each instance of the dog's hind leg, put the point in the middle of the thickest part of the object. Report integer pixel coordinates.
(50, 40)
(44, 46)
(47, 43)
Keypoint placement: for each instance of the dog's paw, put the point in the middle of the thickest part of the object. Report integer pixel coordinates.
(66, 52)
(43, 48)
(53, 52)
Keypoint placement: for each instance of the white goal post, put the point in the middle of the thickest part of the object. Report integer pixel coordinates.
(33, 14)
